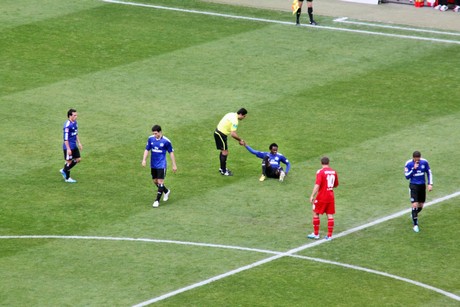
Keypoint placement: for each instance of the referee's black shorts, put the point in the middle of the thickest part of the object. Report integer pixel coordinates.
(417, 193)
(221, 140)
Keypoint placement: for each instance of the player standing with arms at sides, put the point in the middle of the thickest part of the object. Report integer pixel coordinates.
(71, 145)
(271, 164)
(228, 126)
(157, 146)
(309, 10)
(326, 180)
(418, 172)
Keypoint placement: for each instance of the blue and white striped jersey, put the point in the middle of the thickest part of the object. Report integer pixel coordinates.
(70, 134)
(158, 149)
(274, 159)
(422, 175)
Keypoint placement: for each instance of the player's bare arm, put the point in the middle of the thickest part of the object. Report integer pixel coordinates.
(173, 160)
(146, 154)
(313, 193)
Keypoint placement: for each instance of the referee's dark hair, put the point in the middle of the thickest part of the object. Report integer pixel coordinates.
(242, 111)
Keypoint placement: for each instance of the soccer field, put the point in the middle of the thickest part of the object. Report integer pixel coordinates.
(365, 96)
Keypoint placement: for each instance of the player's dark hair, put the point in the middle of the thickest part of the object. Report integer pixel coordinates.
(272, 145)
(156, 128)
(416, 154)
(70, 112)
(324, 160)
(242, 111)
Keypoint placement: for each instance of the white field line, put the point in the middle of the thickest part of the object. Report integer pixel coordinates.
(345, 20)
(277, 255)
(264, 251)
(304, 247)
(358, 268)
(421, 38)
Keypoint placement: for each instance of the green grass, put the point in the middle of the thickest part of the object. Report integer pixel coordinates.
(365, 101)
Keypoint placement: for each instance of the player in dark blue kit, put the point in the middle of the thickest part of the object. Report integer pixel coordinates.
(71, 145)
(271, 164)
(418, 172)
(158, 145)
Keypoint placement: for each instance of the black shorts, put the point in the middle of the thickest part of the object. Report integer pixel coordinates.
(272, 172)
(221, 140)
(158, 173)
(417, 193)
(75, 154)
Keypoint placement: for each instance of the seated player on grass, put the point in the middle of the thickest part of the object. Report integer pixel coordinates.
(271, 160)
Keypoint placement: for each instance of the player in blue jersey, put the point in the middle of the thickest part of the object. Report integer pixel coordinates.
(158, 145)
(271, 162)
(418, 172)
(71, 145)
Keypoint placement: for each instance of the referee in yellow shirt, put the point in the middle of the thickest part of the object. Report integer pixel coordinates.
(228, 126)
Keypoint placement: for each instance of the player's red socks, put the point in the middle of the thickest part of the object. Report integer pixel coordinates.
(316, 225)
(330, 226)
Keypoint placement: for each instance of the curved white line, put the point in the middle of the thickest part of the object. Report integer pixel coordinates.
(277, 255)
(141, 240)
(358, 268)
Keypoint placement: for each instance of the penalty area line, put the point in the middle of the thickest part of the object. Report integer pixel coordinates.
(421, 38)
(368, 24)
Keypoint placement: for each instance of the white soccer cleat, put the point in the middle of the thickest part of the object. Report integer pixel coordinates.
(262, 177)
(166, 196)
(416, 229)
(227, 172)
(156, 204)
(63, 173)
(70, 180)
(313, 236)
(282, 175)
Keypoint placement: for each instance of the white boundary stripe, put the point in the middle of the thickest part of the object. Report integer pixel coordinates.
(277, 255)
(345, 20)
(421, 38)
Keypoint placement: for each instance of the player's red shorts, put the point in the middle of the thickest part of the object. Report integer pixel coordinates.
(324, 207)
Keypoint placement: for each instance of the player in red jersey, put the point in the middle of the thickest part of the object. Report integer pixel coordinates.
(326, 180)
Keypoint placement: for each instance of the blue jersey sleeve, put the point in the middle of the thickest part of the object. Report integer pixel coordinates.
(258, 154)
(409, 169)
(288, 164)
